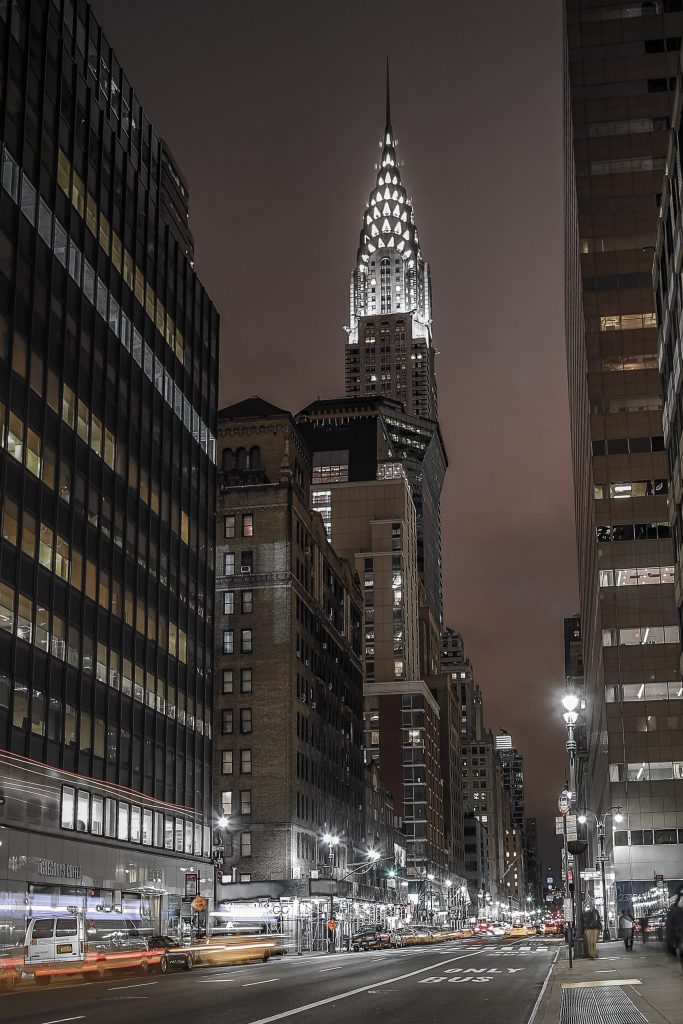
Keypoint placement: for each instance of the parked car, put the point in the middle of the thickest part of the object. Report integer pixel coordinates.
(11, 963)
(498, 930)
(370, 938)
(166, 954)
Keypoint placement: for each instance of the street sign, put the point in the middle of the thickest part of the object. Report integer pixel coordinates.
(191, 883)
(559, 825)
(565, 801)
(198, 904)
(571, 825)
(590, 874)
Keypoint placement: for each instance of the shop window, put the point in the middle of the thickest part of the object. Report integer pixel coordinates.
(123, 826)
(158, 829)
(188, 836)
(147, 827)
(83, 812)
(168, 833)
(135, 824)
(97, 815)
(110, 817)
(179, 832)
(68, 807)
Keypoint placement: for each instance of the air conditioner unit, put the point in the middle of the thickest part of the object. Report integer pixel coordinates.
(245, 568)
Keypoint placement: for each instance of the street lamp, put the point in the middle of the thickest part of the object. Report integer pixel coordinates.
(600, 826)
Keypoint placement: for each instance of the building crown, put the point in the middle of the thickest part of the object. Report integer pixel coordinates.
(390, 275)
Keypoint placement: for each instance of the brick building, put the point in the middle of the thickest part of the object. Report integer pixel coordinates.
(288, 764)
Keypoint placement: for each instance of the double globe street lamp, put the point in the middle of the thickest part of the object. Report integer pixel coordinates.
(618, 817)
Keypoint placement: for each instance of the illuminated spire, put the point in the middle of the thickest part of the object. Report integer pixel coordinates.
(389, 230)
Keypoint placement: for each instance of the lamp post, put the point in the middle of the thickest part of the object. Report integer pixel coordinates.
(331, 841)
(600, 827)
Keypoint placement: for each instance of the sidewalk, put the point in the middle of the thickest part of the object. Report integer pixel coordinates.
(618, 986)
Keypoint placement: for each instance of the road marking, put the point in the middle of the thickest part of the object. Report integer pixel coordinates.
(267, 981)
(354, 992)
(213, 981)
(326, 969)
(543, 988)
(601, 984)
(60, 1020)
(141, 984)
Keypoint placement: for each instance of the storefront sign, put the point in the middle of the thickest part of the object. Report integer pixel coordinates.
(58, 869)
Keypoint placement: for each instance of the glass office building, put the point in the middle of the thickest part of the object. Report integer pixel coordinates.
(108, 399)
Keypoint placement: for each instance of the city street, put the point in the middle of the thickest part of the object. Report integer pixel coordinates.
(497, 980)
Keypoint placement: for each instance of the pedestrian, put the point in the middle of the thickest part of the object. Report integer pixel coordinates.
(643, 923)
(626, 926)
(592, 926)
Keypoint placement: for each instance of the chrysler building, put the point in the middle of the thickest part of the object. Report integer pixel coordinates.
(389, 349)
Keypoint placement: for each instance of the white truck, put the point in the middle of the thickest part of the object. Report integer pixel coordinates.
(58, 945)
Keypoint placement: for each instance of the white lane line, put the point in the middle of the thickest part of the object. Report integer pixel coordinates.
(543, 988)
(141, 984)
(61, 1020)
(356, 991)
(326, 969)
(214, 981)
(248, 984)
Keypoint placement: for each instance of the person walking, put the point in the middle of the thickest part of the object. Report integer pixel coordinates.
(592, 926)
(626, 926)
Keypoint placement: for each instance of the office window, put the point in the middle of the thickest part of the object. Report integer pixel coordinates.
(147, 827)
(228, 527)
(226, 721)
(227, 680)
(135, 824)
(247, 603)
(228, 602)
(245, 680)
(122, 830)
(229, 563)
(245, 720)
(245, 762)
(248, 524)
(83, 811)
(245, 801)
(228, 641)
(226, 762)
(245, 641)
(245, 844)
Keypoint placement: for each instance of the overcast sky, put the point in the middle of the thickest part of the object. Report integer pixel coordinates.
(274, 111)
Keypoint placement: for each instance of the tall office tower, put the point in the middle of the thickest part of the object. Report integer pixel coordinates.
(667, 776)
(459, 668)
(389, 349)
(108, 370)
(532, 865)
(621, 67)
(512, 766)
(388, 442)
(288, 764)
(369, 507)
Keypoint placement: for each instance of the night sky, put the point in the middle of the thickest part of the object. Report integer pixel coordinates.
(274, 111)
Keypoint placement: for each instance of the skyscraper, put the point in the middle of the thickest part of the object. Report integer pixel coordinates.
(621, 67)
(108, 371)
(389, 349)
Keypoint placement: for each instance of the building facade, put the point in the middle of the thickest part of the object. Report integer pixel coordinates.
(288, 714)
(622, 62)
(108, 353)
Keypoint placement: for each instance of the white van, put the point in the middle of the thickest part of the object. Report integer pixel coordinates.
(57, 945)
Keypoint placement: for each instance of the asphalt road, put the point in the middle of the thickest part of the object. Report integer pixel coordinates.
(478, 982)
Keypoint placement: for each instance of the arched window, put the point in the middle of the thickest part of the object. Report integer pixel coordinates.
(241, 458)
(227, 460)
(255, 457)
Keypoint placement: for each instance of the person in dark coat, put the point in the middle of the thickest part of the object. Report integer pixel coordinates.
(626, 926)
